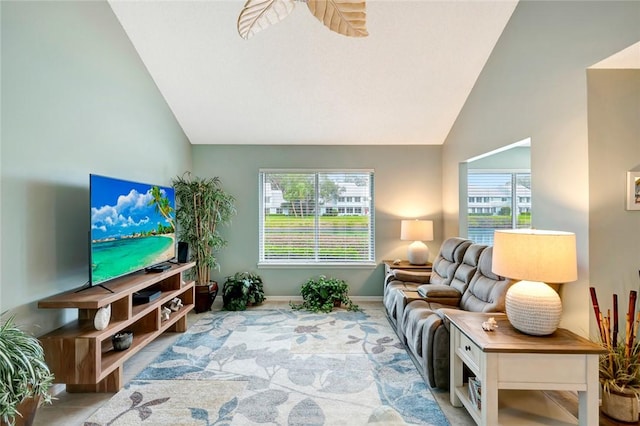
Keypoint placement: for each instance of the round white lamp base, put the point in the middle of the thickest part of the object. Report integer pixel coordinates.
(533, 308)
(418, 253)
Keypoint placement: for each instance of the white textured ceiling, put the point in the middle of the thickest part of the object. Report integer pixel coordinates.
(299, 83)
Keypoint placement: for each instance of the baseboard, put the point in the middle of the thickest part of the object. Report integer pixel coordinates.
(217, 304)
(299, 298)
(363, 299)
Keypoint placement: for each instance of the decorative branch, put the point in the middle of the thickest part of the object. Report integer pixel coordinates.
(596, 310)
(615, 320)
(630, 319)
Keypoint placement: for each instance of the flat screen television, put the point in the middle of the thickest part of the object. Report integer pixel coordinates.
(132, 227)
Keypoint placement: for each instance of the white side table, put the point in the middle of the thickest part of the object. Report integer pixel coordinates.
(508, 359)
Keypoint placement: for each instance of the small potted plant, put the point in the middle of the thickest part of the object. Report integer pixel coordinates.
(25, 378)
(322, 294)
(242, 289)
(619, 367)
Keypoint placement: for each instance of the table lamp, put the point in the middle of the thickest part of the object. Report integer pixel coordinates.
(535, 257)
(417, 231)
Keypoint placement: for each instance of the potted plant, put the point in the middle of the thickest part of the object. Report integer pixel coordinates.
(242, 289)
(322, 294)
(25, 378)
(202, 206)
(619, 366)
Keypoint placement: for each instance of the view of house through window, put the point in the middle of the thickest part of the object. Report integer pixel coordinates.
(497, 200)
(316, 217)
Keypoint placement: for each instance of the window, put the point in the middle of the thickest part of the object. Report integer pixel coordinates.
(504, 192)
(310, 224)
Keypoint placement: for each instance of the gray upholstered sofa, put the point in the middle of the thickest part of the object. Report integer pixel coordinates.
(416, 303)
(399, 284)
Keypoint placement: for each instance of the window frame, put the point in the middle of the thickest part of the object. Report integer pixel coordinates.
(263, 262)
(514, 204)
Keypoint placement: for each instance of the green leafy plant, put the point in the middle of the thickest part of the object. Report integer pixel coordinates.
(23, 371)
(202, 205)
(241, 289)
(322, 294)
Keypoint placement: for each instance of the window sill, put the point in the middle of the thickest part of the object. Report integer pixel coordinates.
(362, 265)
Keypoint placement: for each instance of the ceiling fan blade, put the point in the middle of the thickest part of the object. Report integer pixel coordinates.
(346, 17)
(256, 15)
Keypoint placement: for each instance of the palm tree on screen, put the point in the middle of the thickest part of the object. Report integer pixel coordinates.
(162, 205)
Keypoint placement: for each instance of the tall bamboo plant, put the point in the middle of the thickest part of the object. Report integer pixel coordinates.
(619, 367)
(202, 206)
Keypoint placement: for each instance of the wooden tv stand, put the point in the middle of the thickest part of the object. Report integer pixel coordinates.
(82, 357)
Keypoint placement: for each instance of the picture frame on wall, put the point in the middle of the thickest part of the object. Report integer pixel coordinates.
(633, 190)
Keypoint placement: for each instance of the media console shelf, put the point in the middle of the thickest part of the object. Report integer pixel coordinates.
(82, 357)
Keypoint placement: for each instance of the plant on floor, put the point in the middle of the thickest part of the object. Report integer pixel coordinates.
(241, 289)
(322, 294)
(202, 206)
(619, 367)
(24, 375)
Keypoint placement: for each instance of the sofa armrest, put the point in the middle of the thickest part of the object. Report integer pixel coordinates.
(411, 276)
(438, 290)
(440, 293)
(388, 278)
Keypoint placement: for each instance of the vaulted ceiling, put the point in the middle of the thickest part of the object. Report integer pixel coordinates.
(296, 82)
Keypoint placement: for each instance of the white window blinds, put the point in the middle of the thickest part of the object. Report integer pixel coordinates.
(497, 200)
(316, 217)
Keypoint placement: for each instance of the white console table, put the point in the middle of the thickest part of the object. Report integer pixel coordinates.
(508, 359)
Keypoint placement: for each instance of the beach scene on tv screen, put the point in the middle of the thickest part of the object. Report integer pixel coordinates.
(132, 227)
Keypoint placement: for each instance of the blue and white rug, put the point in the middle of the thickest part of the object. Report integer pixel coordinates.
(278, 367)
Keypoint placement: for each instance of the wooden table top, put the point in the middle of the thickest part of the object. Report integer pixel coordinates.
(404, 264)
(506, 339)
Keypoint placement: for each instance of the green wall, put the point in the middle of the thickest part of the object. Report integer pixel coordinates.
(534, 85)
(407, 185)
(76, 99)
(614, 149)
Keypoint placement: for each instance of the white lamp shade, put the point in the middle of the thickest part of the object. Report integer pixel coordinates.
(535, 257)
(416, 230)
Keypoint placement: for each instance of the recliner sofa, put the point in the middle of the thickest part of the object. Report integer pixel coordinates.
(399, 282)
(421, 304)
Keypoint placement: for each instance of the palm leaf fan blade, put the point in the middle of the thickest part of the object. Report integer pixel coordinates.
(257, 15)
(346, 17)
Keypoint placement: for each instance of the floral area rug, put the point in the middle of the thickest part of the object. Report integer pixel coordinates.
(278, 367)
